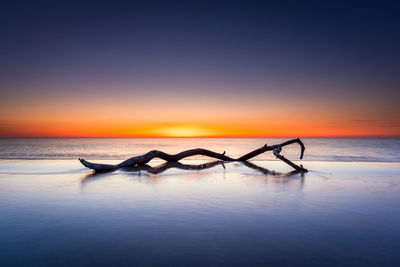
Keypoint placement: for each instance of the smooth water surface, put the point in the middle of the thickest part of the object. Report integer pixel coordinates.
(55, 212)
(317, 149)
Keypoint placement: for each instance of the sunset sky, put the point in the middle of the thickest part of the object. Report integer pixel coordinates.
(203, 69)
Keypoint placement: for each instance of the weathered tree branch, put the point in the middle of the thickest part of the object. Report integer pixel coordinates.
(145, 158)
(170, 165)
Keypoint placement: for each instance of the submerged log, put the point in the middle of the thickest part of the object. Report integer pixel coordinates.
(145, 158)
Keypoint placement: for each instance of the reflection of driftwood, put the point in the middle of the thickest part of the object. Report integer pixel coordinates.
(161, 168)
(169, 165)
(177, 165)
(143, 159)
(268, 172)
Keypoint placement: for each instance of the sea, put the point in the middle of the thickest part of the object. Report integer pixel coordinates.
(344, 212)
(317, 149)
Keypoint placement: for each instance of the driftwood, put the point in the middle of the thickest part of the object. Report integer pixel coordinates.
(177, 165)
(145, 158)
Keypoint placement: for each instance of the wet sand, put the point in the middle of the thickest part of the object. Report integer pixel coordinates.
(55, 212)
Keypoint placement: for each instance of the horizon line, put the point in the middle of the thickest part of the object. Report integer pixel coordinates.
(194, 137)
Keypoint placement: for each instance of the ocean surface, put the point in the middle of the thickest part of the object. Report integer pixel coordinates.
(344, 212)
(317, 149)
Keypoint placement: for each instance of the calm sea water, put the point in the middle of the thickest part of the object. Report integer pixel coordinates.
(317, 149)
(55, 212)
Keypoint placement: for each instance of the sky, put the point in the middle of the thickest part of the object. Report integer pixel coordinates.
(199, 69)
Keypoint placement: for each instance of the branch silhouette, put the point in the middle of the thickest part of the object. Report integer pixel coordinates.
(145, 158)
(177, 165)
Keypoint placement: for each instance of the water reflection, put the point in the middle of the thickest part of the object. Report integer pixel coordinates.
(137, 170)
(213, 216)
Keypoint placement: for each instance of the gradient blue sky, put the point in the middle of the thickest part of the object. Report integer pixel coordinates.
(221, 68)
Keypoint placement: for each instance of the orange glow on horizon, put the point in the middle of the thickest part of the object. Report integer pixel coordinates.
(191, 71)
(177, 130)
(116, 116)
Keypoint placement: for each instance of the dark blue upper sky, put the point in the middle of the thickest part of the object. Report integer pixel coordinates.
(201, 39)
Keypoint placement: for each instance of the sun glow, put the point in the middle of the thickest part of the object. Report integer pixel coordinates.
(184, 131)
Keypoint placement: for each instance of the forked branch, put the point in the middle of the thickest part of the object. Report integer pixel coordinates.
(145, 158)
